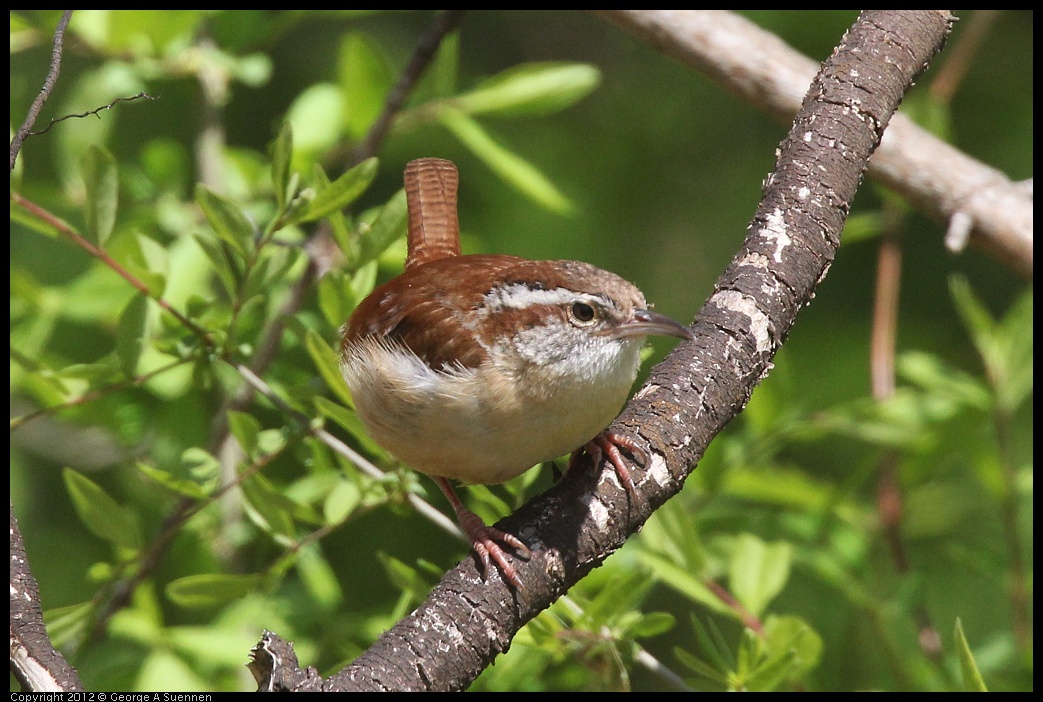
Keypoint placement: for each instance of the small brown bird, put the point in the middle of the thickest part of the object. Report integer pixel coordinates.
(478, 367)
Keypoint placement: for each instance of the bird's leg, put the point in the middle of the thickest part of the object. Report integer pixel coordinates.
(486, 539)
(608, 444)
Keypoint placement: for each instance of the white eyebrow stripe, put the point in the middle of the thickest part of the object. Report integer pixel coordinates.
(518, 296)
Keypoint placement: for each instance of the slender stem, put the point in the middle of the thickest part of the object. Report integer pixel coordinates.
(99, 253)
(83, 399)
(747, 617)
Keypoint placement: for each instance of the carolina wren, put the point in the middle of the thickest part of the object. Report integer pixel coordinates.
(478, 367)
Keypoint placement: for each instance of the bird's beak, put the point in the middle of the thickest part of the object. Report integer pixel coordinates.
(649, 323)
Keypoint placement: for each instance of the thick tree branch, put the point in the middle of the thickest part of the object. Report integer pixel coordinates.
(34, 661)
(702, 385)
(937, 178)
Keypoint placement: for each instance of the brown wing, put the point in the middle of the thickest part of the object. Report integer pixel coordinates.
(427, 308)
(434, 230)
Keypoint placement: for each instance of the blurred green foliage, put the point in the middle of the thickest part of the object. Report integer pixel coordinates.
(573, 141)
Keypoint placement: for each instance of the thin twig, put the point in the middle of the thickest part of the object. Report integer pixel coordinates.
(748, 619)
(45, 92)
(72, 235)
(56, 120)
(83, 399)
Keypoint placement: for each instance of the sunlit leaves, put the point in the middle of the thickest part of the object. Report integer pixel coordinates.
(131, 334)
(531, 89)
(101, 181)
(227, 219)
(389, 225)
(972, 679)
(514, 169)
(758, 571)
(210, 589)
(100, 513)
(365, 79)
(341, 192)
(282, 156)
(1005, 346)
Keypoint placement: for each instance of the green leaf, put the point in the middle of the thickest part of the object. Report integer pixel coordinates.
(345, 238)
(341, 192)
(202, 465)
(758, 571)
(942, 382)
(328, 365)
(219, 259)
(316, 118)
(318, 577)
(792, 649)
(1005, 347)
(404, 577)
(683, 581)
(364, 280)
(271, 441)
(102, 184)
(862, 226)
(30, 221)
(66, 625)
(972, 680)
(768, 674)
(673, 532)
(516, 171)
(714, 646)
(131, 333)
(244, 428)
(389, 225)
(652, 624)
(138, 33)
(342, 501)
(211, 589)
(349, 420)
(162, 669)
(182, 487)
(365, 79)
(531, 89)
(282, 155)
(446, 66)
(975, 316)
(747, 656)
(270, 508)
(227, 219)
(335, 298)
(146, 260)
(717, 680)
(1016, 331)
(103, 516)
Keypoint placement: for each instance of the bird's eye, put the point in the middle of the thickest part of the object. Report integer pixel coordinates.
(582, 312)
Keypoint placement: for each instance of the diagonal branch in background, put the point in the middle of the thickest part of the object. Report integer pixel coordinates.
(934, 176)
(445, 23)
(45, 91)
(697, 390)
